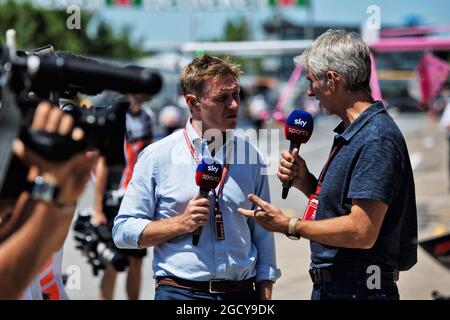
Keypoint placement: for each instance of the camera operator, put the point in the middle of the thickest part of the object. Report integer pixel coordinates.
(36, 226)
(110, 187)
(49, 283)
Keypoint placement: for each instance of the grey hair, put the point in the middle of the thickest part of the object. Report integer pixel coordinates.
(345, 53)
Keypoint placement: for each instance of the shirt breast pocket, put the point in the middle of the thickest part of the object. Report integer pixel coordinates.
(175, 193)
(236, 191)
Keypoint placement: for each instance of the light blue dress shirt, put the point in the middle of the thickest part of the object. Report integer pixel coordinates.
(163, 183)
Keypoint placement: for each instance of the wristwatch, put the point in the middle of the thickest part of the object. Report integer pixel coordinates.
(41, 189)
(292, 234)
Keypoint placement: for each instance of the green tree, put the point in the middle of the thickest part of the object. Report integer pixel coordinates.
(236, 31)
(36, 27)
(240, 31)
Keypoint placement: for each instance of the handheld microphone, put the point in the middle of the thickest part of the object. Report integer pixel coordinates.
(298, 129)
(207, 177)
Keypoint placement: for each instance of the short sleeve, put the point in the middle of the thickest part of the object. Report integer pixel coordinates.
(375, 173)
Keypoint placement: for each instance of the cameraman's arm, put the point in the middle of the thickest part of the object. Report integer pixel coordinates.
(101, 175)
(27, 249)
(42, 226)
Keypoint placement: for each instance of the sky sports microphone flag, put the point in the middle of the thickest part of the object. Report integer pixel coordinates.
(298, 129)
(207, 177)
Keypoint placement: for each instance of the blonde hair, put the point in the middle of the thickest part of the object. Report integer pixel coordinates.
(204, 68)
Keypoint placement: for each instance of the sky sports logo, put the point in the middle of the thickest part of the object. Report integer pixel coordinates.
(207, 177)
(213, 168)
(300, 122)
(296, 131)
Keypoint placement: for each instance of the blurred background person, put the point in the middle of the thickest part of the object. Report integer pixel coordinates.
(258, 108)
(171, 118)
(442, 100)
(110, 187)
(259, 103)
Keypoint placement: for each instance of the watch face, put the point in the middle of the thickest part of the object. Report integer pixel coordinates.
(293, 237)
(43, 190)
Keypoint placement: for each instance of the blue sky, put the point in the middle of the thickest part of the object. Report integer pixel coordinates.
(186, 25)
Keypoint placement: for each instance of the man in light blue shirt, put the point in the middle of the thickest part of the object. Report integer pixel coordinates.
(162, 208)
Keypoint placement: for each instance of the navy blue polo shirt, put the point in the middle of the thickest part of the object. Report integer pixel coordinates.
(372, 163)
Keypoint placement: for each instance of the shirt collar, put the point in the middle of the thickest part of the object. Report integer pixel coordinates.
(200, 144)
(355, 126)
(192, 134)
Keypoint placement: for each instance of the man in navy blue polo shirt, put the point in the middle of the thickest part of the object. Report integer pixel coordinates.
(361, 217)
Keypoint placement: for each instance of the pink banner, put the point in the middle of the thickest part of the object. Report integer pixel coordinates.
(409, 31)
(411, 44)
(433, 72)
(278, 114)
(374, 85)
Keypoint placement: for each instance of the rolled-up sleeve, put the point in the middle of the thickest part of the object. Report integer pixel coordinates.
(266, 264)
(138, 205)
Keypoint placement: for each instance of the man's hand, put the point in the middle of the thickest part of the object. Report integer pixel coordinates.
(195, 215)
(267, 216)
(36, 229)
(71, 176)
(99, 218)
(160, 231)
(293, 167)
(264, 289)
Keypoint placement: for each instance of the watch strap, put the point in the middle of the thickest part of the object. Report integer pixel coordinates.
(292, 234)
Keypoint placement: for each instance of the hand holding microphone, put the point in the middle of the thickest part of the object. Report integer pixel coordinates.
(298, 129)
(207, 177)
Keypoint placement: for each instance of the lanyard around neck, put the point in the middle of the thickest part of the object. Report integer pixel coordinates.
(197, 160)
(327, 164)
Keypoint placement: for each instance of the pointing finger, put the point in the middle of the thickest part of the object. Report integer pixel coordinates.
(258, 201)
(247, 213)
